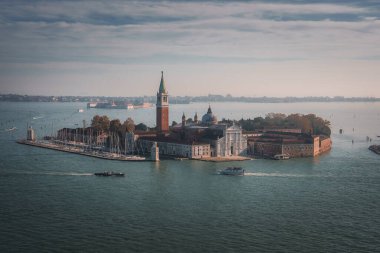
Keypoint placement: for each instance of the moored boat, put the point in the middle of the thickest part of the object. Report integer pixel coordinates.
(233, 171)
(109, 173)
(281, 157)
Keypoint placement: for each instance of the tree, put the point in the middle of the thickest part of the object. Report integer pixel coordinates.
(174, 123)
(141, 127)
(129, 125)
(100, 123)
(115, 125)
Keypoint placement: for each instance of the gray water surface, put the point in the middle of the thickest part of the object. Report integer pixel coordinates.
(51, 202)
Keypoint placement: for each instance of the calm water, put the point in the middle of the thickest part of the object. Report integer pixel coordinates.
(50, 202)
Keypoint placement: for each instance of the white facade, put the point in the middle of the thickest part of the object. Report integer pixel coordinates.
(233, 142)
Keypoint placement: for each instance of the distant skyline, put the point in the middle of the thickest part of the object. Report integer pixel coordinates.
(243, 48)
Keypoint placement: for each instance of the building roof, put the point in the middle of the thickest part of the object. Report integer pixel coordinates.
(162, 88)
(209, 118)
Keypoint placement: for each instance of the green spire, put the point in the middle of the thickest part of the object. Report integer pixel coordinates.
(162, 84)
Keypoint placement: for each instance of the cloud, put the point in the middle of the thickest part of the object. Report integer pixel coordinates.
(161, 33)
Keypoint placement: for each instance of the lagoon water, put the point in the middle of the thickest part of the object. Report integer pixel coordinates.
(51, 202)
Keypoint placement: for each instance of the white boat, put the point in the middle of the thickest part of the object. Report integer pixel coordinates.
(281, 157)
(10, 129)
(80, 110)
(233, 171)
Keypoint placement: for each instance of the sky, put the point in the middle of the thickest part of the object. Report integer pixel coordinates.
(243, 48)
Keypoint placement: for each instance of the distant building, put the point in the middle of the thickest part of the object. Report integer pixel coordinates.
(192, 138)
(30, 135)
(268, 145)
(209, 118)
(162, 107)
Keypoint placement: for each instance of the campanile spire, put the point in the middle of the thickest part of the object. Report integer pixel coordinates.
(162, 107)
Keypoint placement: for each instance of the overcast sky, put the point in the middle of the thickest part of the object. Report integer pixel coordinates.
(242, 48)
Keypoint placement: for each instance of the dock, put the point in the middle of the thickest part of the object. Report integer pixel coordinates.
(80, 151)
(224, 159)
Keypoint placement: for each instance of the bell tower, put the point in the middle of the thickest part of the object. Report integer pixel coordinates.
(162, 108)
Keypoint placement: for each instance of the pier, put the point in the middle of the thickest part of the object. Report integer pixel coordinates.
(81, 151)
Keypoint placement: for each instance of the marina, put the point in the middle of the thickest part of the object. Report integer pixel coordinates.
(81, 151)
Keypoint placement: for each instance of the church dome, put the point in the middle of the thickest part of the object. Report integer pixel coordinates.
(209, 118)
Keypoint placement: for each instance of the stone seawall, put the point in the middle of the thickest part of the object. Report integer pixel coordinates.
(318, 146)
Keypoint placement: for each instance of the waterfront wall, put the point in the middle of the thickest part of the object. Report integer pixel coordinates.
(265, 149)
(298, 150)
(325, 145)
(178, 149)
(269, 149)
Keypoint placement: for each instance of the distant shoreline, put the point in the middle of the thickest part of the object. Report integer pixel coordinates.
(183, 99)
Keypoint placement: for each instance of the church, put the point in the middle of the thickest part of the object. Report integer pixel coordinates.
(192, 139)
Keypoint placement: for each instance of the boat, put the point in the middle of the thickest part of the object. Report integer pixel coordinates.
(281, 157)
(233, 171)
(10, 129)
(80, 110)
(109, 174)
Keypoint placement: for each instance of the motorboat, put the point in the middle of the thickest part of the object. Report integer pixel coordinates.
(281, 157)
(233, 171)
(109, 174)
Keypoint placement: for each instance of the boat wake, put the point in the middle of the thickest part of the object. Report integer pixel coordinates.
(51, 173)
(68, 174)
(260, 174)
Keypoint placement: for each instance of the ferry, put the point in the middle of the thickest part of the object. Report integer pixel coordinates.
(109, 173)
(233, 171)
(281, 157)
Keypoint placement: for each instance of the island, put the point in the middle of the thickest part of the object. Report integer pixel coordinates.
(202, 138)
(375, 149)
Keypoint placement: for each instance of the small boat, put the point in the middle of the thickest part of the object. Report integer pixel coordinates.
(233, 171)
(109, 174)
(10, 129)
(281, 157)
(80, 110)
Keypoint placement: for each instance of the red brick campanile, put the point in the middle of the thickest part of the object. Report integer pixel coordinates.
(162, 108)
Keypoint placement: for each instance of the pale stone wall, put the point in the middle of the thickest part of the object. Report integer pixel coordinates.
(265, 149)
(178, 149)
(325, 145)
(316, 145)
(298, 150)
